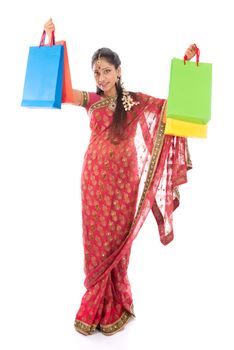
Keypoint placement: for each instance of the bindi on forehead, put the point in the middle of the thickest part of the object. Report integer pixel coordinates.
(101, 64)
(101, 67)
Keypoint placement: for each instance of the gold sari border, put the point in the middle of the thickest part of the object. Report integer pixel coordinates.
(154, 160)
(110, 329)
(99, 104)
(189, 161)
(177, 193)
(118, 325)
(84, 328)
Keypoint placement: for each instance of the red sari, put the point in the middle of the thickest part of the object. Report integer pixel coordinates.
(120, 183)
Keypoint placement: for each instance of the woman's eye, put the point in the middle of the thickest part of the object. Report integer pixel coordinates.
(106, 71)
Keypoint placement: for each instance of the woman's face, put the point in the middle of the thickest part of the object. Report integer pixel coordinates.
(106, 76)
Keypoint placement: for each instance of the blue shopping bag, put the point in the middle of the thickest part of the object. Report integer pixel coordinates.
(44, 77)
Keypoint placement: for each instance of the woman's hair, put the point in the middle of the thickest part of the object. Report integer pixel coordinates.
(120, 115)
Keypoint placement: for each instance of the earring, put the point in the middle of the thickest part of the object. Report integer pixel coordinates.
(117, 82)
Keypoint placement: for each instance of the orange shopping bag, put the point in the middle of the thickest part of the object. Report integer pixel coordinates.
(67, 94)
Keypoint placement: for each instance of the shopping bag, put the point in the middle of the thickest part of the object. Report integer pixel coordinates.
(67, 94)
(44, 76)
(177, 127)
(189, 97)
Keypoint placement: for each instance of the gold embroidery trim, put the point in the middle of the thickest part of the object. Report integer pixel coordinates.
(85, 98)
(84, 328)
(118, 325)
(110, 329)
(154, 161)
(189, 161)
(177, 193)
(100, 104)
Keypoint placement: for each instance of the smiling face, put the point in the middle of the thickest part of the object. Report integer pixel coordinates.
(106, 76)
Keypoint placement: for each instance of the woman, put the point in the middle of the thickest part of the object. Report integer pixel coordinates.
(129, 167)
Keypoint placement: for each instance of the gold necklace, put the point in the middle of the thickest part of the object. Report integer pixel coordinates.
(112, 102)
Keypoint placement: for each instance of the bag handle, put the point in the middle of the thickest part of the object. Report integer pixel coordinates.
(197, 55)
(52, 40)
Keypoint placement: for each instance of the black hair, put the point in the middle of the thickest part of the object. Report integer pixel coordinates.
(120, 116)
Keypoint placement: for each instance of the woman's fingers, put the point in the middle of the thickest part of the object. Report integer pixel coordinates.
(191, 51)
(49, 26)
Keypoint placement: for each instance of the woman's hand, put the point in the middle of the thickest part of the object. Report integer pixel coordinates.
(191, 51)
(49, 28)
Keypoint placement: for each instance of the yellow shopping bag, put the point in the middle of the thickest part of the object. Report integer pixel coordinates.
(182, 128)
(185, 129)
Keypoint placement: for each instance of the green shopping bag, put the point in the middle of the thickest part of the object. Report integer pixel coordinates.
(189, 97)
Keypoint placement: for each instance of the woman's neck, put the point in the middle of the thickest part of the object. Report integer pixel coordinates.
(110, 93)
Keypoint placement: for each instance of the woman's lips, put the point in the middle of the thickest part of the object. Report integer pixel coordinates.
(103, 86)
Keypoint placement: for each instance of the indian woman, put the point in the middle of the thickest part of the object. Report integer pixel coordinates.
(130, 167)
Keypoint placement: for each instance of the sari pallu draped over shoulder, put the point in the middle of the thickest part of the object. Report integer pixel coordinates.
(121, 183)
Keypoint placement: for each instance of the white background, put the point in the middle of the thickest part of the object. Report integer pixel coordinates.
(183, 293)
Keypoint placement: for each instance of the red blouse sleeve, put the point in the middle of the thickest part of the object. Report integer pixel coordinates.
(89, 98)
